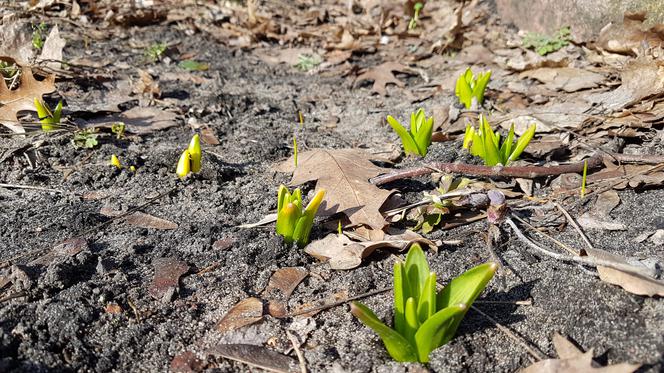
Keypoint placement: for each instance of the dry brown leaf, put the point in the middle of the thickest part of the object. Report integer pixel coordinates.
(15, 41)
(642, 77)
(22, 98)
(138, 120)
(628, 37)
(383, 74)
(167, 273)
(568, 79)
(598, 216)
(520, 60)
(342, 253)
(140, 219)
(344, 174)
(285, 280)
(573, 360)
(146, 85)
(633, 283)
(255, 356)
(52, 49)
(245, 312)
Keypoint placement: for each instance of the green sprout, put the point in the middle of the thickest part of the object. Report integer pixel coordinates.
(294, 223)
(118, 128)
(190, 160)
(585, 176)
(295, 150)
(10, 72)
(306, 62)
(49, 119)
(429, 216)
(424, 319)
(543, 44)
(417, 140)
(416, 15)
(155, 52)
(471, 88)
(38, 38)
(115, 161)
(485, 143)
(86, 139)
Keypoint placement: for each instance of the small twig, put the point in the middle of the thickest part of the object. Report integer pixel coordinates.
(526, 172)
(30, 187)
(300, 357)
(527, 302)
(595, 262)
(13, 296)
(133, 308)
(209, 268)
(534, 353)
(337, 303)
(557, 242)
(574, 224)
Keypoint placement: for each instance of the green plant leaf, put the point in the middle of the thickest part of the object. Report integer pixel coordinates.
(192, 65)
(412, 323)
(283, 197)
(397, 346)
(491, 156)
(417, 269)
(506, 147)
(522, 143)
(467, 286)
(426, 306)
(435, 331)
(477, 145)
(423, 135)
(409, 145)
(57, 113)
(463, 90)
(287, 218)
(480, 86)
(400, 296)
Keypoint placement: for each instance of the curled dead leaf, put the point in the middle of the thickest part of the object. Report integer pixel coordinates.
(245, 312)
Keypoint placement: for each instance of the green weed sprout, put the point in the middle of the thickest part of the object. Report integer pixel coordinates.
(115, 161)
(417, 140)
(155, 52)
(190, 160)
(543, 44)
(470, 87)
(38, 37)
(417, 8)
(49, 119)
(86, 139)
(585, 177)
(485, 143)
(294, 223)
(424, 319)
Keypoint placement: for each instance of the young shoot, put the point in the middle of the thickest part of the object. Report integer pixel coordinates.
(585, 177)
(293, 222)
(485, 143)
(424, 319)
(470, 88)
(115, 161)
(38, 37)
(49, 120)
(417, 8)
(190, 160)
(417, 140)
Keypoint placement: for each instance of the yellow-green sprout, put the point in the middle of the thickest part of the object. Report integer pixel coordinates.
(49, 119)
(293, 222)
(115, 161)
(195, 153)
(485, 143)
(471, 88)
(417, 140)
(184, 166)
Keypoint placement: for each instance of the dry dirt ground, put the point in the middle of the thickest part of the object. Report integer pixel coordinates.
(91, 309)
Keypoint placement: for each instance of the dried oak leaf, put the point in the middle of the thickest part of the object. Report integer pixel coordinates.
(245, 312)
(256, 356)
(640, 284)
(568, 79)
(285, 280)
(344, 174)
(573, 360)
(22, 98)
(383, 74)
(342, 253)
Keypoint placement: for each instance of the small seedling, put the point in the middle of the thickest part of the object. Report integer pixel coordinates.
(10, 73)
(295, 151)
(470, 88)
(429, 216)
(192, 65)
(38, 37)
(294, 223)
(306, 62)
(49, 119)
(155, 52)
(118, 128)
(417, 8)
(115, 161)
(423, 318)
(86, 139)
(543, 44)
(190, 160)
(585, 176)
(485, 143)
(417, 140)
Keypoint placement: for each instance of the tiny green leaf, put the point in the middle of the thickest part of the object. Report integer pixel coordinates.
(400, 289)
(397, 346)
(409, 145)
(417, 269)
(435, 331)
(522, 142)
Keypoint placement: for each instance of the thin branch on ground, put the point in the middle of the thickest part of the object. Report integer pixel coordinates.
(594, 262)
(296, 347)
(30, 187)
(574, 224)
(337, 303)
(547, 236)
(537, 355)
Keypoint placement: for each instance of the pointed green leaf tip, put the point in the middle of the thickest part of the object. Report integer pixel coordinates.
(417, 140)
(293, 222)
(424, 319)
(485, 143)
(469, 87)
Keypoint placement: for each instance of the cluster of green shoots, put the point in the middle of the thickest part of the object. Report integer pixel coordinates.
(49, 119)
(38, 37)
(486, 144)
(190, 160)
(424, 319)
(417, 140)
(293, 221)
(544, 44)
(470, 88)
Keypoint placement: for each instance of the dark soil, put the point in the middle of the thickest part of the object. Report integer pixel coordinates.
(62, 323)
